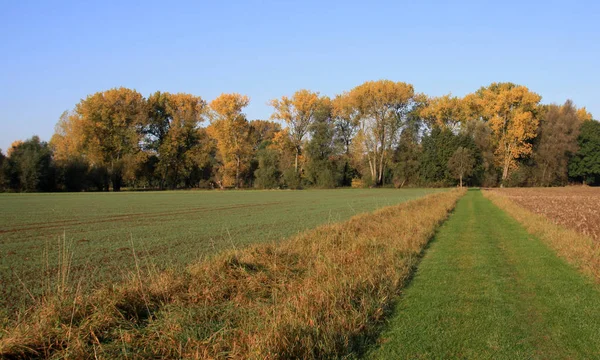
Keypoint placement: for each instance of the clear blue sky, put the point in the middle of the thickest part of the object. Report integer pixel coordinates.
(53, 53)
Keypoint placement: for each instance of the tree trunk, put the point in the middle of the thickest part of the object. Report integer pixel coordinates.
(237, 172)
(380, 180)
(460, 181)
(543, 182)
(507, 159)
(116, 182)
(296, 163)
(505, 173)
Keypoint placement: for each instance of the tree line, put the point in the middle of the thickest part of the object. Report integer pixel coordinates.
(380, 133)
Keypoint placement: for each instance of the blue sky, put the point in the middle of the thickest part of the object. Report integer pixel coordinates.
(53, 53)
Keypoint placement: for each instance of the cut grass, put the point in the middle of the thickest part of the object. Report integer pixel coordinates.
(321, 294)
(166, 229)
(488, 289)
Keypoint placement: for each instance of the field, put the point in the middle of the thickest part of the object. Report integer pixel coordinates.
(320, 294)
(102, 230)
(500, 274)
(577, 208)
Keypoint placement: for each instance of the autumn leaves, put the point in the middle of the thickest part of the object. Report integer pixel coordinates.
(232, 133)
(327, 141)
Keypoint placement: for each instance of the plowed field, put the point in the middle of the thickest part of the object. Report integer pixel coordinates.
(577, 208)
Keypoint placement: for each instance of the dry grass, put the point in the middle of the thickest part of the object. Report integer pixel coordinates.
(546, 222)
(321, 294)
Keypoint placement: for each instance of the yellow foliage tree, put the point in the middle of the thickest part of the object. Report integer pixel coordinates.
(67, 141)
(511, 112)
(583, 114)
(15, 144)
(298, 113)
(346, 116)
(231, 129)
(382, 108)
(445, 111)
(110, 122)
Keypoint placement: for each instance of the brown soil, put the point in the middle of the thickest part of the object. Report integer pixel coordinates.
(577, 208)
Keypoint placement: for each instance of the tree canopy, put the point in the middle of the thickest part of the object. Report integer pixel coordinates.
(379, 133)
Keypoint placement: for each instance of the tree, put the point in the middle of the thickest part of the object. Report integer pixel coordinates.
(67, 148)
(585, 165)
(345, 117)
(461, 164)
(556, 143)
(407, 159)
(511, 112)
(297, 112)
(438, 147)
(67, 141)
(267, 174)
(171, 131)
(111, 124)
(29, 166)
(262, 133)
(321, 149)
(486, 172)
(382, 107)
(445, 112)
(231, 129)
(286, 152)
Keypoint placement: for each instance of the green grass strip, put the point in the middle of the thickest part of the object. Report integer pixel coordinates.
(488, 289)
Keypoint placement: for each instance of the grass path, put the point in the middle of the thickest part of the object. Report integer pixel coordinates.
(487, 289)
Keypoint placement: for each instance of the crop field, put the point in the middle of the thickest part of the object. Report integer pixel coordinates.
(98, 233)
(577, 208)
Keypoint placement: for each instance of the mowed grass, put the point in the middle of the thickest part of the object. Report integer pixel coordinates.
(102, 230)
(488, 289)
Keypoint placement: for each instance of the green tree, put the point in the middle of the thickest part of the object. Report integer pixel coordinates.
(486, 172)
(585, 165)
(72, 174)
(345, 115)
(438, 147)
(267, 174)
(321, 150)
(30, 167)
(171, 133)
(407, 159)
(461, 164)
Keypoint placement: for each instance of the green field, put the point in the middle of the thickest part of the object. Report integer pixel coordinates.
(165, 228)
(487, 289)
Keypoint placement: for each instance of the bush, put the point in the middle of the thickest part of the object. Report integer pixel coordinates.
(357, 183)
(292, 179)
(267, 175)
